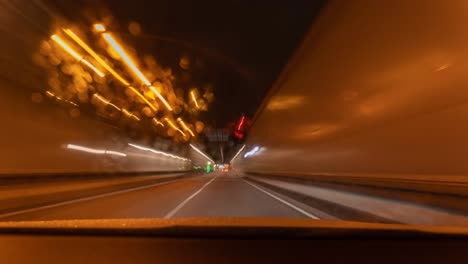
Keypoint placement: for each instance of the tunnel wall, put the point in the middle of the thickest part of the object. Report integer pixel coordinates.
(35, 131)
(377, 88)
(35, 138)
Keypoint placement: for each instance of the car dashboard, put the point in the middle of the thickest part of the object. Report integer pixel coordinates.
(228, 240)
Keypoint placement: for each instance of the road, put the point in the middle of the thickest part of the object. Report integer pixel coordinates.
(216, 194)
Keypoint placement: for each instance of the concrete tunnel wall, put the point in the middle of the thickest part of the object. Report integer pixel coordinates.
(35, 131)
(34, 139)
(376, 88)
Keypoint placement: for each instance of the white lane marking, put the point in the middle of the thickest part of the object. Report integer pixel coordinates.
(82, 199)
(175, 210)
(283, 201)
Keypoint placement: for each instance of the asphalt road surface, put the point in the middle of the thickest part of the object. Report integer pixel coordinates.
(212, 195)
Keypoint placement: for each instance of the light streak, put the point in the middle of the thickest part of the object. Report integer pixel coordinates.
(192, 94)
(201, 153)
(75, 55)
(181, 132)
(95, 56)
(85, 62)
(186, 128)
(157, 152)
(60, 98)
(105, 101)
(240, 123)
(157, 122)
(251, 152)
(66, 47)
(143, 98)
(174, 126)
(168, 106)
(237, 154)
(99, 27)
(95, 151)
(111, 152)
(127, 113)
(117, 48)
(107, 67)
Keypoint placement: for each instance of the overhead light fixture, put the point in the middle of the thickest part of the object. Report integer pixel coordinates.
(201, 153)
(75, 55)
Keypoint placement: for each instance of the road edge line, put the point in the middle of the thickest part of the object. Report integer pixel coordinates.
(93, 197)
(283, 201)
(184, 202)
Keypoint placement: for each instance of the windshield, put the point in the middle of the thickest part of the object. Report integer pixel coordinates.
(335, 110)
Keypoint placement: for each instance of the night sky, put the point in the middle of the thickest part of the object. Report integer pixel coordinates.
(236, 47)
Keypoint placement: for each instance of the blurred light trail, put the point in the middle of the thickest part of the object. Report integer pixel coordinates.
(95, 151)
(174, 126)
(181, 132)
(60, 98)
(201, 153)
(99, 27)
(237, 154)
(168, 106)
(75, 54)
(66, 47)
(85, 62)
(107, 67)
(157, 152)
(111, 152)
(241, 123)
(95, 56)
(143, 98)
(105, 101)
(157, 122)
(192, 94)
(117, 48)
(127, 113)
(251, 152)
(186, 128)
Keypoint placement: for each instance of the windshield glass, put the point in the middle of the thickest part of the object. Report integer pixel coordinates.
(336, 110)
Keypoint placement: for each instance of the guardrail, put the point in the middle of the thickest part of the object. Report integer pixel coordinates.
(375, 200)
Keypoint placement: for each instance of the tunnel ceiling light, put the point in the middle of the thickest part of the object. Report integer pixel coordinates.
(105, 101)
(95, 56)
(157, 122)
(107, 67)
(49, 93)
(99, 27)
(158, 152)
(201, 153)
(251, 152)
(158, 94)
(95, 151)
(186, 128)
(75, 55)
(174, 126)
(194, 99)
(111, 152)
(118, 48)
(237, 154)
(129, 114)
(143, 98)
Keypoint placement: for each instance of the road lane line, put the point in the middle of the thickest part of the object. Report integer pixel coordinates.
(283, 201)
(82, 199)
(175, 210)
